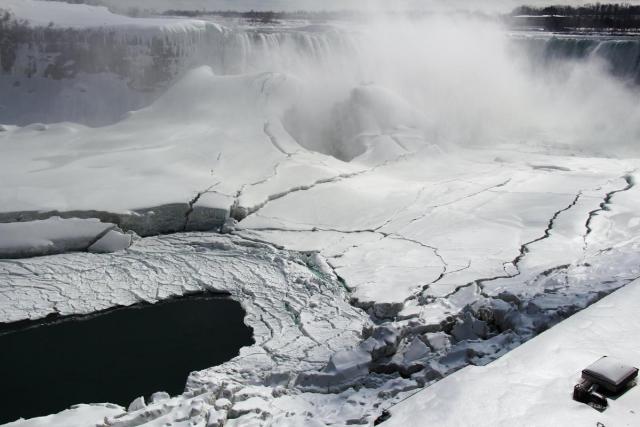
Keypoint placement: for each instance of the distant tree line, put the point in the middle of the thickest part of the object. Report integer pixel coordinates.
(598, 17)
(11, 31)
(621, 17)
(265, 16)
(59, 52)
(90, 2)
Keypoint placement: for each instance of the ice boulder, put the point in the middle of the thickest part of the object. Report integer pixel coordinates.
(343, 369)
(416, 350)
(137, 404)
(470, 328)
(159, 396)
(349, 363)
(438, 341)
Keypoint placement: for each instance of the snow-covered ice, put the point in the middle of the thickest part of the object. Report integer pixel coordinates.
(179, 176)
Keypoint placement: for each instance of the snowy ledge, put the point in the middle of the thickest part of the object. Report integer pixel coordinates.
(532, 384)
(56, 235)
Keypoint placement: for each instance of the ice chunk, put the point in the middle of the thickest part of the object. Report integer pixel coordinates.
(222, 403)
(349, 363)
(159, 396)
(415, 351)
(137, 404)
(438, 341)
(470, 328)
(252, 405)
(343, 367)
(113, 241)
(50, 236)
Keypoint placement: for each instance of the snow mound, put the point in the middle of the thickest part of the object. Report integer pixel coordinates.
(219, 136)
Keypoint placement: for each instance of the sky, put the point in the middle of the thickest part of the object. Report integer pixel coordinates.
(480, 5)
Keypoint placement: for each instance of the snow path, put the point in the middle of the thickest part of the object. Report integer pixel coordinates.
(532, 384)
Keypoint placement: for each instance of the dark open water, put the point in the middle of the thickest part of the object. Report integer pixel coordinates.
(115, 355)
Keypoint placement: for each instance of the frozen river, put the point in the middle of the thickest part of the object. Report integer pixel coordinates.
(388, 201)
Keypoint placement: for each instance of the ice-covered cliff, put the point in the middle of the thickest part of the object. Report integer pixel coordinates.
(620, 55)
(62, 62)
(84, 64)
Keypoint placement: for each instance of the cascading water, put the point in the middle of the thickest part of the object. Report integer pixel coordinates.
(620, 55)
(258, 50)
(486, 84)
(129, 67)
